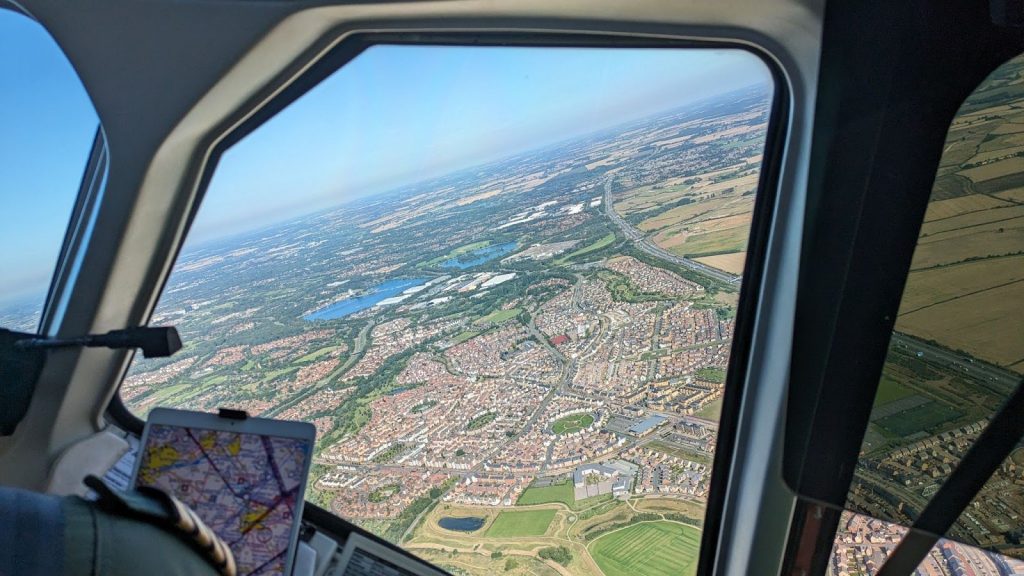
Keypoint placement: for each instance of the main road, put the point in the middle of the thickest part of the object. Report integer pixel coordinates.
(653, 249)
(953, 361)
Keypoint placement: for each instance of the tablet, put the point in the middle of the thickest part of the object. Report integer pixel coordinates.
(244, 477)
(364, 557)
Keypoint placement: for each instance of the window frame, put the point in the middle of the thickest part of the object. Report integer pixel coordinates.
(853, 270)
(341, 46)
(85, 200)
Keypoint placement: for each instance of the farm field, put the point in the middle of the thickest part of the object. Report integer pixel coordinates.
(967, 274)
(650, 548)
(985, 324)
(729, 262)
(521, 523)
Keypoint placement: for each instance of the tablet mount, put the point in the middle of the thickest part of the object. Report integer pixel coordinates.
(155, 342)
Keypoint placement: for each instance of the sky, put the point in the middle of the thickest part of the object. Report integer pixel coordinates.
(392, 116)
(47, 125)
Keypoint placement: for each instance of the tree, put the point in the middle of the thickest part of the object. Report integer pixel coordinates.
(559, 554)
(511, 564)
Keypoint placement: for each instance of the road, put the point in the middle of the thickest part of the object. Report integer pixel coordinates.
(641, 242)
(952, 361)
(360, 345)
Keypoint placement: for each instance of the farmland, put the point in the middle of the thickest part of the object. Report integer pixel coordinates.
(967, 275)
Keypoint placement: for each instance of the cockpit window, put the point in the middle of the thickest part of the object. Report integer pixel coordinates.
(48, 126)
(957, 352)
(501, 281)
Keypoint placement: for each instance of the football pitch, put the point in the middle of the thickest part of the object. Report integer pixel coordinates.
(650, 548)
(523, 523)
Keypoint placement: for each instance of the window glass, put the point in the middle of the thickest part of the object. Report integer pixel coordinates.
(48, 129)
(958, 347)
(863, 544)
(500, 281)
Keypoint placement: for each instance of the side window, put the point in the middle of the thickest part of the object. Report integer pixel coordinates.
(957, 352)
(48, 126)
(502, 282)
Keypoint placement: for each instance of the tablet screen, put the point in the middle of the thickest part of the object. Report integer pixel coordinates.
(244, 486)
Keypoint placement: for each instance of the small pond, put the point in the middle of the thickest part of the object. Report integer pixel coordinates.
(461, 523)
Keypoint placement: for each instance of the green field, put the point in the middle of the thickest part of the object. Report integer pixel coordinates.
(458, 252)
(521, 523)
(890, 390)
(317, 354)
(924, 418)
(712, 410)
(558, 493)
(650, 548)
(601, 243)
(481, 421)
(572, 424)
(499, 316)
(463, 336)
(712, 374)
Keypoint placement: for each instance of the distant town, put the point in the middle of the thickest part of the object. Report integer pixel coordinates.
(534, 349)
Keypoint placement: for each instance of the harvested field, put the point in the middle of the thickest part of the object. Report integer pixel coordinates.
(1012, 195)
(941, 209)
(985, 324)
(948, 186)
(732, 263)
(974, 220)
(936, 285)
(974, 243)
(713, 243)
(1010, 167)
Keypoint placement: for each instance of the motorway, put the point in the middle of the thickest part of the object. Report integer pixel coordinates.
(952, 361)
(641, 242)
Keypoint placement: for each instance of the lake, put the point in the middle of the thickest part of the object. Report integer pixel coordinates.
(479, 256)
(352, 305)
(461, 524)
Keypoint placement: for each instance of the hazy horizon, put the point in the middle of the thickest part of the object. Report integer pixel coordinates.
(394, 117)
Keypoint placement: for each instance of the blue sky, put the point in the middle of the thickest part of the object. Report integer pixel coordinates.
(393, 116)
(47, 124)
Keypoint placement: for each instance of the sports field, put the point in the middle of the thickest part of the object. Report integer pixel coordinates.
(924, 417)
(890, 390)
(521, 523)
(572, 423)
(649, 548)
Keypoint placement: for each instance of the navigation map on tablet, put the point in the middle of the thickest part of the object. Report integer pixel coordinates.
(244, 486)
